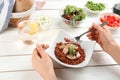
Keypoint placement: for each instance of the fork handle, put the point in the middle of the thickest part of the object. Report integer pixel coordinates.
(104, 23)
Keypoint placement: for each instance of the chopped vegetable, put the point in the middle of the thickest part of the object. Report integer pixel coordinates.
(95, 6)
(45, 20)
(73, 13)
(71, 49)
(112, 20)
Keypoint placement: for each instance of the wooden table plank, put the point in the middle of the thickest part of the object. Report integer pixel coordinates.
(23, 62)
(20, 75)
(90, 73)
(11, 45)
(23, 49)
(86, 73)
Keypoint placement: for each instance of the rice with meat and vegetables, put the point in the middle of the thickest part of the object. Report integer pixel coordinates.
(69, 53)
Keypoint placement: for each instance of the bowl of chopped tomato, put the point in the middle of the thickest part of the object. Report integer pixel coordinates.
(112, 19)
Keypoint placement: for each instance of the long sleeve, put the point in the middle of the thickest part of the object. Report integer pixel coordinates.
(6, 7)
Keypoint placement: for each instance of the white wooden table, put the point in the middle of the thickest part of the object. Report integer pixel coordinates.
(15, 57)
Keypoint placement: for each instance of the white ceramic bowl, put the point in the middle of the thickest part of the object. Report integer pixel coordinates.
(111, 28)
(23, 14)
(88, 47)
(95, 12)
(45, 22)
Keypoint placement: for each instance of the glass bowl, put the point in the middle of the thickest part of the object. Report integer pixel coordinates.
(71, 23)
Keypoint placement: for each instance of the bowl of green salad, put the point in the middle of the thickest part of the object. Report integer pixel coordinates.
(72, 15)
(95, 7)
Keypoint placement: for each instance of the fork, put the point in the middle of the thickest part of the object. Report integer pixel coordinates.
(78, 37)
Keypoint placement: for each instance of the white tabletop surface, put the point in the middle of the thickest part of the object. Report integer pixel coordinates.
(15, 57)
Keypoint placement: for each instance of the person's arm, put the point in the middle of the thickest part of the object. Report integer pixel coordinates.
(114, 52)
(104, 38)
(43, 63)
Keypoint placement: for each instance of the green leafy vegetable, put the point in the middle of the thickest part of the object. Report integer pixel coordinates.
(73, 13)
(71, 50)
(95, 6)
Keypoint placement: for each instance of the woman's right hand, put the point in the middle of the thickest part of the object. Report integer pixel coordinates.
(102, 36)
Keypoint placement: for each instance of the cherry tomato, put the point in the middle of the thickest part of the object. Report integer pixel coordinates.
(112, 20)
(68, 17)
(102, 19)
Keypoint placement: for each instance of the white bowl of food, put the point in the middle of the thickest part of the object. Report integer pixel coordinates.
(112, 19)
(44, 22)
(95, 7)
(71, 54)
(72, 15)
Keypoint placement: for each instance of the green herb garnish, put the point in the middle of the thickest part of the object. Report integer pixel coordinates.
(71, 50)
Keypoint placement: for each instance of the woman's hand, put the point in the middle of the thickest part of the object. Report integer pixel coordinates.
(102, 36)
(43, 63)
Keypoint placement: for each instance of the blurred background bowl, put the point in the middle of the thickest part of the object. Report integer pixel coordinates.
(45, 22)
(113, 28)
(93, 8)
(71, 23)
(116, 8)
(16, 16)
(91, 11)
(112, 19)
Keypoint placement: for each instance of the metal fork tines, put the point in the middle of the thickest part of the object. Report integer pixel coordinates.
(78, 37)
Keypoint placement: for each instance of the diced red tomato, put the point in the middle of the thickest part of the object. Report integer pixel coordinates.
(102, 19)
(112, 20)
(68, 17)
